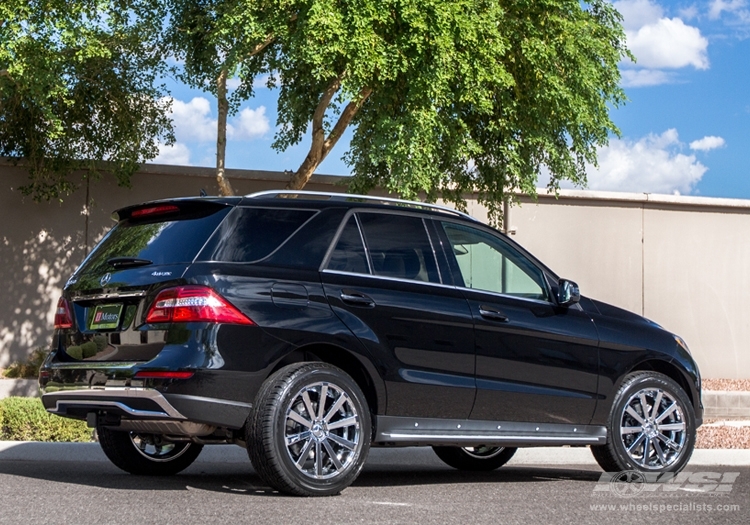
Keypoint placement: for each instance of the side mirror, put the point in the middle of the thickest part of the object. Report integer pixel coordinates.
(567, 293)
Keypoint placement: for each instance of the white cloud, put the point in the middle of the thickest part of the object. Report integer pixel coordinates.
(175, 154)
(233, 83)
(192, 120)
(643, 77)
(668, 43)
(707, 143)
(719, 6)
(638, 13)
(652, 164)
(250, 124)
(689, 13)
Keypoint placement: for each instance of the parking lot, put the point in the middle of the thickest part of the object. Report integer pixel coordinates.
(396, 486)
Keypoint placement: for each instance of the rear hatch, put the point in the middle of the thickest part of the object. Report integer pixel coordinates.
(107, 298)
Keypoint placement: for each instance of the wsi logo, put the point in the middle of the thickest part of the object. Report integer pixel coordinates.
(631, 483)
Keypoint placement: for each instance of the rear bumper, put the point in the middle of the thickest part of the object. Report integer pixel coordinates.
(146, 404)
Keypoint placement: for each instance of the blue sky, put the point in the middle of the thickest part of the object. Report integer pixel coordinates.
(685, 129)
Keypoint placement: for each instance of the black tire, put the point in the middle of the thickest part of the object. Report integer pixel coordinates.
(147, 454)
(657, 442)
(319, 460)
(477, 459)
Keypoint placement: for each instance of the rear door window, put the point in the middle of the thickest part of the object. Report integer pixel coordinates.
(399, 247)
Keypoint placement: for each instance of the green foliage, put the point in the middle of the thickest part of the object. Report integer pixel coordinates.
(28, 369)
(76, 352)
(88, 349)
(445, 96)
(78, 86)
(25, 419)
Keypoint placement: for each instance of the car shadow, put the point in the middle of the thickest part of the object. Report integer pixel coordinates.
(239, 478)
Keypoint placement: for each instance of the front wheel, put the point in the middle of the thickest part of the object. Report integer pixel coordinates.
(309, 433)
(651, 426)
(482, 458)
(147, 454)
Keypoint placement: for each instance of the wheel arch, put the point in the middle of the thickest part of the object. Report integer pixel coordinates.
(358, 368)
(674, 373)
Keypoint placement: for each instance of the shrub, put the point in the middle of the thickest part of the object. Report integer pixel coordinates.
(28, 369)
(88, 349)
(25, 419)
(75, 352)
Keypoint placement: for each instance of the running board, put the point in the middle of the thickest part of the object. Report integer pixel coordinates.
(406, 431)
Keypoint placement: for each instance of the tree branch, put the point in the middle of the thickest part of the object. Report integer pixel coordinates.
(346, 117)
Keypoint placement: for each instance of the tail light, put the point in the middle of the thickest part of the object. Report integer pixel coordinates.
(63, 318)
(189, 304)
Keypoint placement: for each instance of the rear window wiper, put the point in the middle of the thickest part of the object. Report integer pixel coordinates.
(128, 262)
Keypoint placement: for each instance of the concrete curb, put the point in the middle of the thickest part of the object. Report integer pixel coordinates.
(19, 388)
(545, 456)
(726, 404)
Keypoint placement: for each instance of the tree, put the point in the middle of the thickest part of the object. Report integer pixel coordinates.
(217, 40)
(78, 86)
(450, 97)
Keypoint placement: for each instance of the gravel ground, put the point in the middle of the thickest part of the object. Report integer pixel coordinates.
(727, 384)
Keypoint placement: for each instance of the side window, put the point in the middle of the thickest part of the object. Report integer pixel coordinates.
(487, 263)
(399, 247)
(251, 234)
(349, 253)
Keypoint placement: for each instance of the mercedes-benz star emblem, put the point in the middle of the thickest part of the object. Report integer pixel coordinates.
(105, 279)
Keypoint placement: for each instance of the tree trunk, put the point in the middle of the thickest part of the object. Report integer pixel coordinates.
(321, 145)
(225, 188)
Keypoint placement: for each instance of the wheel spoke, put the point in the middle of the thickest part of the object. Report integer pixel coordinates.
(644, 405)
(332, 455)
(308, 404)
(630, 430)
(296, 438)
(322, 400)
(635, 415)
(294, 416)
(659, 452)
(667, 412)
(667, 441)
(318, 460)
(672, 427)
(646, 449)
(348, 422)
(335, 408)
(305, 452)
(637, 442)
(657, 403)
(341, 441)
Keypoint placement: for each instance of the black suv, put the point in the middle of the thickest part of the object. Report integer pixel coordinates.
(308, 329)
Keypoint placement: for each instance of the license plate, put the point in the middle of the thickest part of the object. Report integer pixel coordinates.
(106, 317)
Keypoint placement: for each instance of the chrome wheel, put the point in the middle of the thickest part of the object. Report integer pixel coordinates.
(483, 451)
(653, 429)
(322, 431)
(154, 448)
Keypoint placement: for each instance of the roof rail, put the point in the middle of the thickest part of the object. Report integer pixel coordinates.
(351, 196)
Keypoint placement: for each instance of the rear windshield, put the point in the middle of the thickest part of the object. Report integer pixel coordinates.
(176, 240)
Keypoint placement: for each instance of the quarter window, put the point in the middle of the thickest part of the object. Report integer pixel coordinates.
(487, 263)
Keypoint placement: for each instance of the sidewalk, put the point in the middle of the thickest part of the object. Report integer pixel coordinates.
(91, 452)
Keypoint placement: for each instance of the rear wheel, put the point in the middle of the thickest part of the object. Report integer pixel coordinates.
(482, 458)
(147, 454)
(309, 434)
(651, 426)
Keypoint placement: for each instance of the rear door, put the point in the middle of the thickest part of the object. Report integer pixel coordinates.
(382, 279)
(536, 362)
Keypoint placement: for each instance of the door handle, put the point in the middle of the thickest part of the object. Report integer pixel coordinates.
(493, 314)
(356, 299)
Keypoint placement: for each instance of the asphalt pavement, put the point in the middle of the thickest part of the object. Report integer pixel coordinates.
(68, 483)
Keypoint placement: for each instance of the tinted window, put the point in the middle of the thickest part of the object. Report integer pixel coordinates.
(399, 247)
(349, 253)
(251, 234)
(166, 242)
(488, 263)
